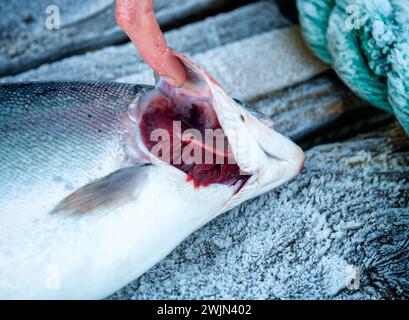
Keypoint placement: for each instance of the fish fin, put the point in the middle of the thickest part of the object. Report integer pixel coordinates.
(117, 188)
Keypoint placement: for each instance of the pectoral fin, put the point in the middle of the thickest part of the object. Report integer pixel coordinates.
(115, 189)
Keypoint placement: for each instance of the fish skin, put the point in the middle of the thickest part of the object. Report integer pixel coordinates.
(64, 146)
(56, 138)
(48, 123)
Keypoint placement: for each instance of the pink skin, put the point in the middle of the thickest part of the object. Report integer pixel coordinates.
(137, 19)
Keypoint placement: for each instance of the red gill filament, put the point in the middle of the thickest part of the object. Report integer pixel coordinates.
(220, 169)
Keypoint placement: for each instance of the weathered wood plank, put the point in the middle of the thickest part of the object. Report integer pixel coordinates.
(257, 65)
(25, 42)
(118, 61)
(346, 215)
(312, 112)
(318, 111)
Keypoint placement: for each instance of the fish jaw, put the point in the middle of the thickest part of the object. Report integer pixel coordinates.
(266, 158)
(269, 158)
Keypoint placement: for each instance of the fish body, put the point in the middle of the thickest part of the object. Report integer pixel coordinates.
(86, 207)
(51, 147)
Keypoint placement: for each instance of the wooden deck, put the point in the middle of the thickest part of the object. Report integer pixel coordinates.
(346, 215)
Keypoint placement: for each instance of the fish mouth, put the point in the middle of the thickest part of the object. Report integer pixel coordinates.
(179, 126)
(204, 133)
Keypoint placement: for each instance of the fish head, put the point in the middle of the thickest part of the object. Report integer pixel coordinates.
(251, 157)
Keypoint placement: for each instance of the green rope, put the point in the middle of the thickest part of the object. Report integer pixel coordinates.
(367, 43)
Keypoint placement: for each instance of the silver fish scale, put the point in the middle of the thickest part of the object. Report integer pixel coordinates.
(55, 138)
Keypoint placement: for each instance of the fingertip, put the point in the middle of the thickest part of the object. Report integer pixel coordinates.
(172, 82)
(177, 82)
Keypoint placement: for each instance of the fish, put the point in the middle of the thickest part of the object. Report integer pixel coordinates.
(89, 202)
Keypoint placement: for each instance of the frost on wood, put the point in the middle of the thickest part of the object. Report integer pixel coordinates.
(301, 112)
(118, 61)
(255, 66)
(25, 42)
(339, 230)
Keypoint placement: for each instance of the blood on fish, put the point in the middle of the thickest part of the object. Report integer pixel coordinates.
(160, 115)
